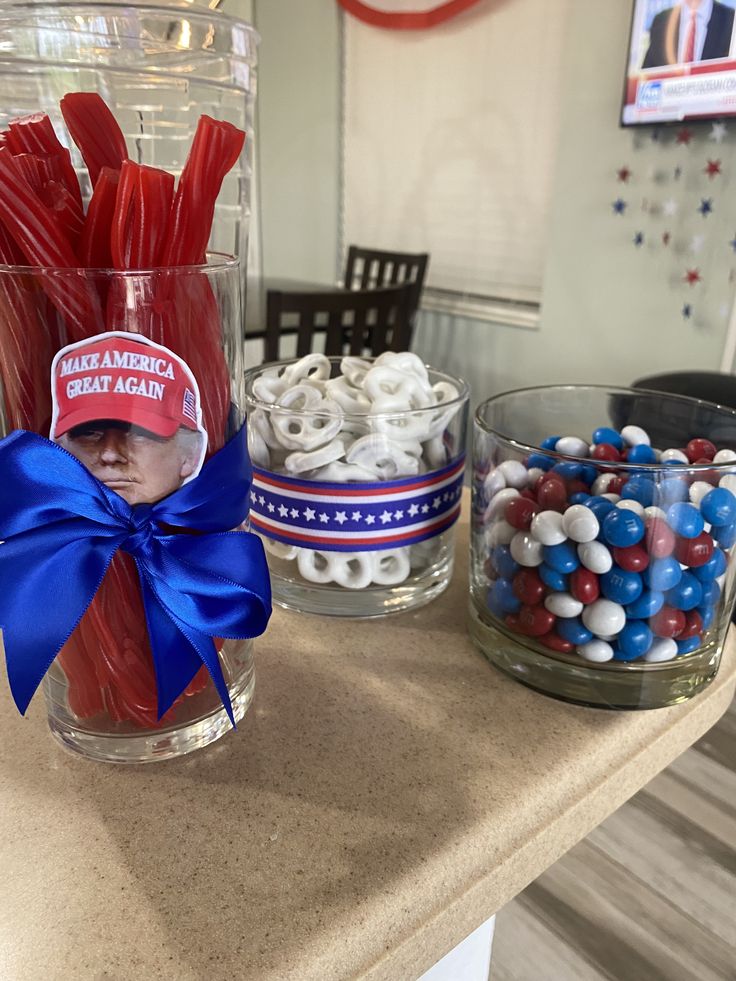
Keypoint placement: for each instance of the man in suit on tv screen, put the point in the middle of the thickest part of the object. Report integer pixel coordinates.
(692, 30)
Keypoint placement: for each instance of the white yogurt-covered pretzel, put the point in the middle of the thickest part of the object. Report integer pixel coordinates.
(312, 421)
(385, 459)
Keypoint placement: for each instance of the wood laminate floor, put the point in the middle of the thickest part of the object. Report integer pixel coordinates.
(650, 895)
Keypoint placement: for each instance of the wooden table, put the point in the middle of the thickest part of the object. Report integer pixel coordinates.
(387, 792)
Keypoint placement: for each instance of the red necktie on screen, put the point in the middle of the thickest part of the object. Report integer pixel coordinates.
(689, 52)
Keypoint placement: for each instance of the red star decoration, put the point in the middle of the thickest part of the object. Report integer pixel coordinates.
(665, 238)
(713, 168)
(623, 174)
(684, 136)
(692, 276)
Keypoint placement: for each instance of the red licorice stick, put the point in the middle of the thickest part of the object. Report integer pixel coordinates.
(68, 214)
(35, 134)
(141, 212)
(37, 232)
(94, 245)
(95, 131)
(30, 166)
(215, 149)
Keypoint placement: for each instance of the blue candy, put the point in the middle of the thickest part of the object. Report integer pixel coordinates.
(502, 597)
(562, 558)
(662, 574)
(725, 536)
(493, 602)
(550, 442)
(713, 568)
(621, 586)
(641, 453)
(646, 606)
(711, 593)
(687, 594)
(718, 507)
(634, 640)
(689, 645)
(622, 527)
(572, 630)
(588, 473)
(707, 615)
(600, 506)
(503, 563)
(552, 578)
(685, 520)
(639, 489)
(671, 489)
(580, 498)
(604, 434)
(540, 461)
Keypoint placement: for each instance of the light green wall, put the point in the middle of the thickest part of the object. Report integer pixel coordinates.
(298, 130)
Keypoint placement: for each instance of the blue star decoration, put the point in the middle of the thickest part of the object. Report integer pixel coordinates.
(687, 311)
(619, 206)
(639, 239)
(706, 206)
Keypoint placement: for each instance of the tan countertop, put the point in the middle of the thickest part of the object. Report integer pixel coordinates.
(388, 791)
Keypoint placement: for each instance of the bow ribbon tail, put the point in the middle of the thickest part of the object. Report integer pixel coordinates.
(54, 562)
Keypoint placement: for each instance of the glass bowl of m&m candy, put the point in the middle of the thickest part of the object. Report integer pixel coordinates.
(603, 541)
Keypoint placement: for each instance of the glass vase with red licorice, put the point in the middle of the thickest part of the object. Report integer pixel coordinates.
(101, 690)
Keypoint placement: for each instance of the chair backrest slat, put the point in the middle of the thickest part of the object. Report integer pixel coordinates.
(374, 268)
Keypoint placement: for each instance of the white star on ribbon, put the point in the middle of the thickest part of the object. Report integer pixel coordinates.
(253, 496)
(437, 502)
(294, 513)
(341, 517)
(398, 515)
(309, 514)
(370, 519)
(386, 517)
(670, 207)
(261, 500)
(413, 509)
(283, 511)
(356, 515)
(425, 508)
(324, 518)
(271, 507)
(718, 132)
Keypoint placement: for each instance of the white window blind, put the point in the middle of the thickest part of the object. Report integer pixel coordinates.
(449, 140)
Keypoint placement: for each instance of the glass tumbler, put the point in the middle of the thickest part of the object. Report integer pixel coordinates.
(183, 325)
(602, 549)
(355, 507)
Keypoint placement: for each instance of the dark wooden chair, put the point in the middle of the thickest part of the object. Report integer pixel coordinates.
(355, 322)
(368, 269)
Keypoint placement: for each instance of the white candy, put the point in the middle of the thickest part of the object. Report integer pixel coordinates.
(596, 650)
(546, 527)
(499, 502)
(580, 524)
(596, 557)
(614, 498)
(343, 473)
(729, 482)
(663, 649)
(571, 446)
(391, 390)
(604, 617)
(280, 549)
(635, 436)
(515, 473)
(405, 361)
(346, 395)
(301, 462)
(435, 452)
(563, 605)
(698, 490)
(390, 567)
(353, 570)
(494, 482)
(653, 513)
(355, 370)
(376, 452)
(602, 483)
(533, 475)
(669, 455)
(500, 533)
(635, 506)
(296, 428)
(725, 456)
(526, 550)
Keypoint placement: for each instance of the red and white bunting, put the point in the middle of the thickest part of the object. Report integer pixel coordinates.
(405, 15)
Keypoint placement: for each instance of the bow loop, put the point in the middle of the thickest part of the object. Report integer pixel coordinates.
(60, 528)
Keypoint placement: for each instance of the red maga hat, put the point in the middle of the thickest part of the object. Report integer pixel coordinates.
(127, 378)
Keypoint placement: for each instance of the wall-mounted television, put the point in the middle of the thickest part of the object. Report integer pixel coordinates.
(681, 61)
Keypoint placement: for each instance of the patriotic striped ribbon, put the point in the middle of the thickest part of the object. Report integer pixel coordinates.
(356, 517)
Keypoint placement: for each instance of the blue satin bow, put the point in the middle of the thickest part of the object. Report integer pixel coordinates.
(61, 528)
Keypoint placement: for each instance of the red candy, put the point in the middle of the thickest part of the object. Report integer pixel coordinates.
(552, 493)
(536, 621)
(660, 539)
(694, 551)
(604, 451)
(528, 495)
(616, 485)
(634, 558)
(556, 643)
(520, 511)
(577, 487)
(669, 622)
(693, 625)
(698, 449)
(584, 586)
(528, 587)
